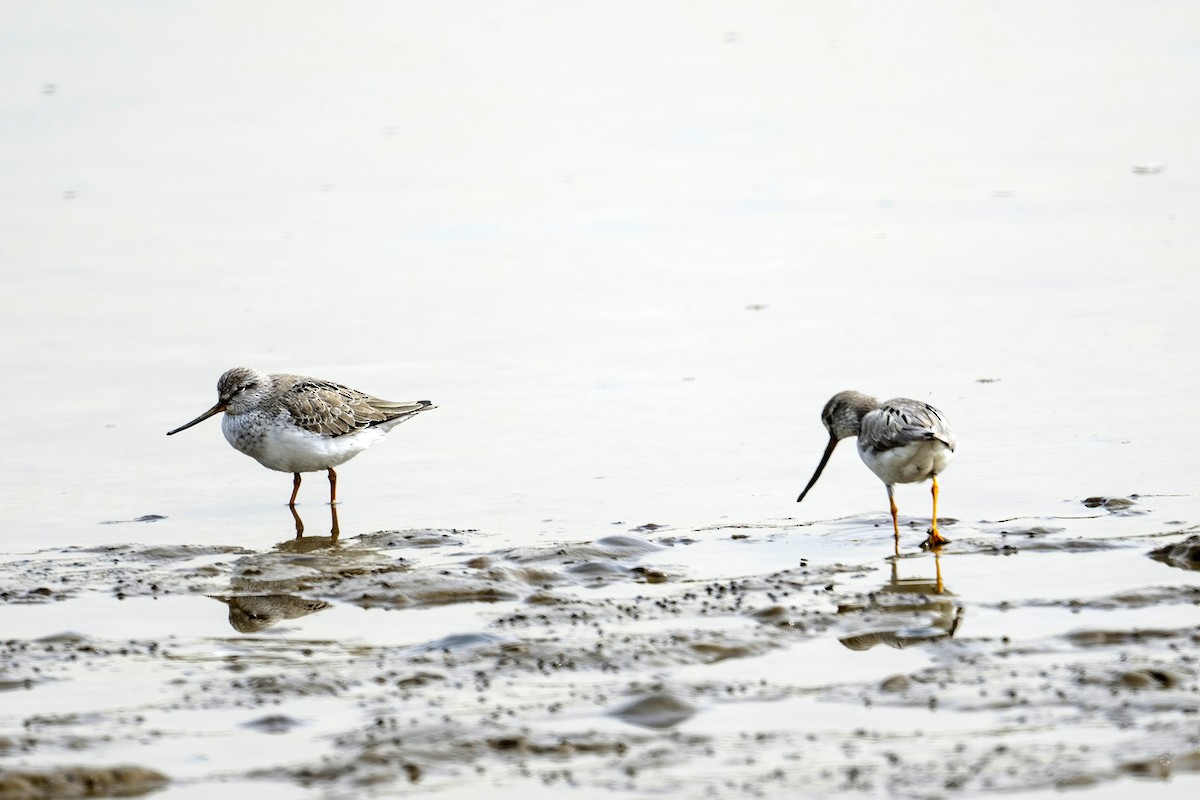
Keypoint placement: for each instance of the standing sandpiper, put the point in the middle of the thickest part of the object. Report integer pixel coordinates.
(295, 424)
(900, 440)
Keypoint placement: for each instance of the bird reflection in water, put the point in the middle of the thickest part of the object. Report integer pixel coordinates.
(254, 613)
(894, 614)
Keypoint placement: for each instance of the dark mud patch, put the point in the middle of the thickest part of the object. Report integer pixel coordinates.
(365, 572)
(1142, 598)
(1032, 531)
(1100, 637)
(274, 723)
(1115, 505)
(649, 527)
(72, 782)
(1017, 543)
(1164, 766)
(1185, 554)
(610, 548)
(658, 711)
(399, 540)
(173, 552)
(123, 570)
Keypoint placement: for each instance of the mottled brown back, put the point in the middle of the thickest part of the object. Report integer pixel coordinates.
(331, 409)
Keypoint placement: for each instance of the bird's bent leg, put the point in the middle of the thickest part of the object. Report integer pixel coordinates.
(935, 539)
(295, 489)
(332, 486)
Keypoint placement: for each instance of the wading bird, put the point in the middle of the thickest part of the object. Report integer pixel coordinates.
(900, 440)
(295, 424)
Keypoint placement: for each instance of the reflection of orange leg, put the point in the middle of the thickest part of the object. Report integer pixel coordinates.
(334, 531)
(937, 564)
(332, 486)
(299, 522)
(935, 539)
(295, 489)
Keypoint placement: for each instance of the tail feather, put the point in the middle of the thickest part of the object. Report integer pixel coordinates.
(400, 411)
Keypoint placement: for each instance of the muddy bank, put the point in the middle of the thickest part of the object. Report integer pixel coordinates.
(682, 663)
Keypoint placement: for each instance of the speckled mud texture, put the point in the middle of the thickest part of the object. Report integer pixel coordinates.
(715, 662)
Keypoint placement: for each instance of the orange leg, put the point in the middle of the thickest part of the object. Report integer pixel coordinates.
(295, 489)
(895, 513)
(935, 539)
(332, 487)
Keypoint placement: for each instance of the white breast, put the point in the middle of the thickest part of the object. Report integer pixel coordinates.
(277, 443)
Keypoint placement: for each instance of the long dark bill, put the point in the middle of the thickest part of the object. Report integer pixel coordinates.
(820, 467)
(217, 409)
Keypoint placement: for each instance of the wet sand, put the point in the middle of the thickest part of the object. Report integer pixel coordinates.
(649, 661)
(629, 251)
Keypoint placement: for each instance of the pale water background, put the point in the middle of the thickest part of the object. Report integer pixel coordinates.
(629, 249)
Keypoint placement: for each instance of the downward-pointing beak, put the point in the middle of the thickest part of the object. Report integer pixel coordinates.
(820, 467)
(217, 409)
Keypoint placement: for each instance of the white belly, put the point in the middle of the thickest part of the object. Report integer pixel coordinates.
(278, 444)
(916, 461)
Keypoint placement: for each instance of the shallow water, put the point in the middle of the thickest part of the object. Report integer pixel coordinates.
(629, 251)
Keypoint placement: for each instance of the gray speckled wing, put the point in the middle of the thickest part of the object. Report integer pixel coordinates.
(331, 409)
(902, 421)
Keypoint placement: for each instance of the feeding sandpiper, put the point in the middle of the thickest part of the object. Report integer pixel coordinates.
(900, 440)
(296, 424)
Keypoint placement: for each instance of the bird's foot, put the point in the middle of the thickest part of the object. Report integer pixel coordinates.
(934, 540)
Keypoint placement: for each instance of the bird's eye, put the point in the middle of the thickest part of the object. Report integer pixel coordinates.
(234, 392)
